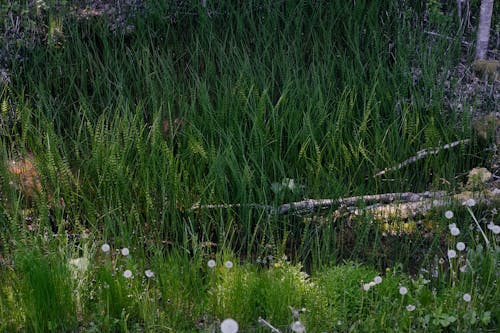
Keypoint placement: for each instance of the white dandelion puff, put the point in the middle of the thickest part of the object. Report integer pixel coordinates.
(467, 297)
(125, 251)
(298, 327)
(455, 231)
(448, 214)
(211, 263)
(228, 264)
(149, 273)
(105, 247)
(410, 307)
(377, 279)
(229, 325)
(127, 274)
(403, 290)
(460, 246)
(470, 202)
(452, 254)
(496, 229)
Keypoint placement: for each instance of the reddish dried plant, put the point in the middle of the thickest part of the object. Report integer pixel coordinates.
(25, 175)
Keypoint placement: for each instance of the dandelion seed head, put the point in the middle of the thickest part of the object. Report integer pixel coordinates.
(455, 231)
(452, 254)
(229, 325)
(211, 263)
(463, 268)
(105, 247)
(298, 327)
(470, 202)
(448, 214)
(127, 274)
(149, 273)
(451, 226)
(377, 279)
(460, 246)
(366, 287)
(372, 284)
(228, 264)
(496, 229)
(467, 297)
(403, 290)
(410, 307)
(490, 225)
(125, 251)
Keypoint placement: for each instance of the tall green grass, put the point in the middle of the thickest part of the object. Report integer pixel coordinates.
(320, 94)
(325, 93)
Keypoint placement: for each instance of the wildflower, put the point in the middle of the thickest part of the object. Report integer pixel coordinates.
(228, 264)
(460, 246)
(451, 226)
(410, 307)
(455, 231)
(470, 202)
(463, 268)
(105, 247)
(125, 251)
(229, 326)
(149, 273)
(127, 274)
(490, 225)
(298, 327)
(467, 297)
(377, 280)
(452, 254)
(403, 290)
(448, 214)
(211, 263)
(366, 287)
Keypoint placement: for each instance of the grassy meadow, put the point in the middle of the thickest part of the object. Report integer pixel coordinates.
(114, 141)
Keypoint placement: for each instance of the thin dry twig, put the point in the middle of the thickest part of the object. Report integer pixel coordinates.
(421, 154)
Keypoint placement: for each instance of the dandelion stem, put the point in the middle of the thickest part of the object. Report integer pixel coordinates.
(263, 322)
(480, 229)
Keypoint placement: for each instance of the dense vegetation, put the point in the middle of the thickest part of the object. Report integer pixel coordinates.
(112, 134)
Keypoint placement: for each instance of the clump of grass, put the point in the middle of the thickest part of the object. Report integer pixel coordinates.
(45, 291)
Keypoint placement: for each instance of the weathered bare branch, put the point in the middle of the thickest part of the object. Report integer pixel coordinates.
(421, 154)
(313, 205)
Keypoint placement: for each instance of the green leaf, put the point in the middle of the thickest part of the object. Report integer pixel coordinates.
(470, 317)
(486, 317)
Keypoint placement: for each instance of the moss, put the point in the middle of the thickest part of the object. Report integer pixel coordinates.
(488, 126)
(486, 68)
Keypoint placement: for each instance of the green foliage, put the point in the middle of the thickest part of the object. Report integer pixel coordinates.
(133, 122)
(46, 289)
(246, 293)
